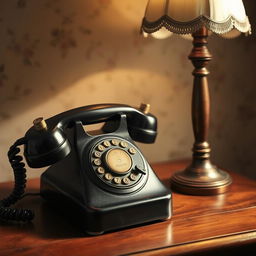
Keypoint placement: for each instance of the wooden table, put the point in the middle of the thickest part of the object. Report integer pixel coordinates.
(220, 224)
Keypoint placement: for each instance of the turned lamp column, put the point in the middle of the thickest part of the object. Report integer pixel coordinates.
(201, 177)
(200, 56)
(166, 17)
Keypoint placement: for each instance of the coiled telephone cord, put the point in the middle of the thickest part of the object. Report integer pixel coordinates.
(13, 214)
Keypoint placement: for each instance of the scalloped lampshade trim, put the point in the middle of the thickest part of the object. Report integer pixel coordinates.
(241, 23)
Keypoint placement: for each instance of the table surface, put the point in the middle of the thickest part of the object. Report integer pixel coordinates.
(199, 224)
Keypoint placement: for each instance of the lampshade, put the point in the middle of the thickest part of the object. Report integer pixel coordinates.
(224, 17)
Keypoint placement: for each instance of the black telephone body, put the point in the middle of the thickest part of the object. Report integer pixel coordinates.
(103, 180)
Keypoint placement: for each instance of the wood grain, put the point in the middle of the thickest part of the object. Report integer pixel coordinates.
(200, 223)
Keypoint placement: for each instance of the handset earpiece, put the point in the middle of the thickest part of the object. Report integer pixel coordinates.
(45, 145)
(142, 127)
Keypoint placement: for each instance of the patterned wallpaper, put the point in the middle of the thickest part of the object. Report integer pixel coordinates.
(60, 54)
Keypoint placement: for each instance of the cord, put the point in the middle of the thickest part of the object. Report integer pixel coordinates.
(13, 214)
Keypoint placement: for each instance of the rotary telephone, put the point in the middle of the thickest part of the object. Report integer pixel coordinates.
(102, 180)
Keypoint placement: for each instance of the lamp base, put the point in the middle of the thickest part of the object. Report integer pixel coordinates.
(201, 178)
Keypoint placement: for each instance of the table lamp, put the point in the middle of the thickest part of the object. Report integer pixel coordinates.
(198, 17)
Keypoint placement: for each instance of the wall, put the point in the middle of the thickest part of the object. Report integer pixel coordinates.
(60, 54)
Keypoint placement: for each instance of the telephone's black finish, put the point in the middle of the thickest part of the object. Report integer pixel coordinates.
(46, 147)
(101, 180)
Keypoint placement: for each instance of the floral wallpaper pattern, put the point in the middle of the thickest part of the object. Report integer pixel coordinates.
(60, 54)
(24, 48)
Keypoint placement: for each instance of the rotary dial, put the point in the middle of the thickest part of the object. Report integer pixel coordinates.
(117, 162)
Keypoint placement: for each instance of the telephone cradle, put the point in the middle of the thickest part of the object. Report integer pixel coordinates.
(101, 180)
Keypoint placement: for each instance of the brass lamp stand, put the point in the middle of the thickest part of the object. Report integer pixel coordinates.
(201, 177)
(163, 18)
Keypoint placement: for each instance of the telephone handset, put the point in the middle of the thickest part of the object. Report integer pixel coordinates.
(101, 180)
